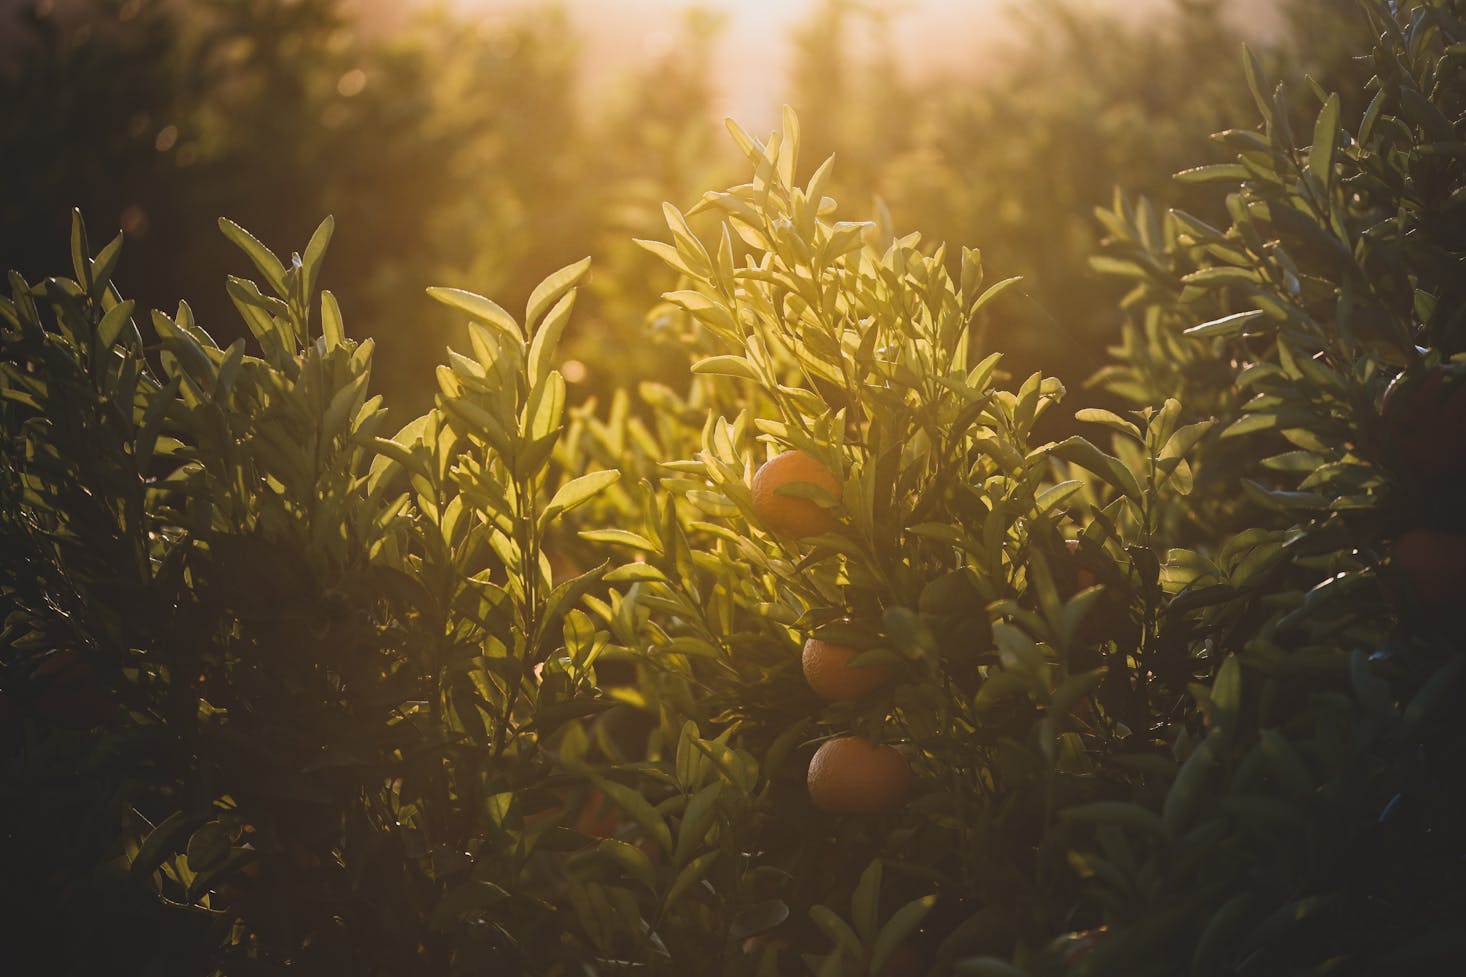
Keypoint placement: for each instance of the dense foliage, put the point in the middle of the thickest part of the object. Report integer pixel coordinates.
(291, 684)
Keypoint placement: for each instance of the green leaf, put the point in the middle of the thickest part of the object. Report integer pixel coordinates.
(104, 265)
(479, 308)
(1226, 695)
(112, 324)
(229, 368)
(1372, 113)
(837, 930)
(1096, 415)
(632, 859)
(992, 292)
(80, 251)
(1056, 495)
(549, 291)
(1111, 469)
(546, 340)
(264, 259)
(472, 897)
(259, 314)
(1075, 688)
(1325, 141)
(1229, 325)
(696, 820)
(728, 366)
(566, 594)
(578, 491)
(865, 902)
(1214, 173)
(1115, 812)
(1221, 276)
(333, 327)
(668, 254)
(637, 573)
(758, 918)
(1185, 794)
(639, 810)
(544, 415)
(162, 842)
(478, 421)
(152, 424)
(1216, 949)
(403, 456)
(1423, 112)
(900, 926)
(690, 875)
(987, 967)
(1180, 443)
(315, 251)
(1257, 83)
(620, 537)
(208, 847)
(1281, 500)
(1287, 765)
(1437, 691)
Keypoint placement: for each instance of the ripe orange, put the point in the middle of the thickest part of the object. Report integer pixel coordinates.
(1432, 564)
(851, 775)
(589, 812)
(598, 817)
(790, 515)
(826, 669)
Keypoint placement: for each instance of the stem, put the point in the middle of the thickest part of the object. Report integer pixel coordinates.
(527, 537)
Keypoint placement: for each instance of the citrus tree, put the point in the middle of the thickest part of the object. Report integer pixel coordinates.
(284, 687)
(1246, 665)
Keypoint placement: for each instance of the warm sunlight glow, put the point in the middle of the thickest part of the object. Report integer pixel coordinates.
(754, 38)
(927, 37)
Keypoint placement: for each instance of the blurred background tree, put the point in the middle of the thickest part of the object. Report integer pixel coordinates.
(465, 150)
(1076, 100)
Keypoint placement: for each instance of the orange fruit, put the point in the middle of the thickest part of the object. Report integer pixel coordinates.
(598, 817)
(851, 775)
(826, 669)
(1432, 565)
(791, 515)
(589, 812)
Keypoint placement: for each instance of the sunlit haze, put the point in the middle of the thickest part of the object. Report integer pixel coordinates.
(926, 36)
